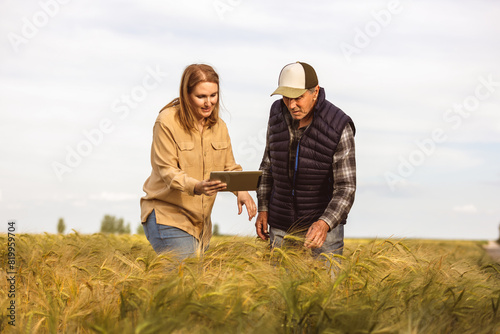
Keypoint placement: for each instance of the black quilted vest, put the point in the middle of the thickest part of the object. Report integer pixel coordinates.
(299, 201)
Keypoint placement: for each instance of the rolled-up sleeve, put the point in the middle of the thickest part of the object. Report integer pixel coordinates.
(165, 161)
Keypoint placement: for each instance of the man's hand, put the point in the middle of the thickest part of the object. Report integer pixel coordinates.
(261, 225)
(208, 187)
(316, 235)
(245, 199)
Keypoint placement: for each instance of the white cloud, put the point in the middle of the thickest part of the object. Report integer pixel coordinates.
(468, 208)
(113, 197)
(456, 158)
(79, 203)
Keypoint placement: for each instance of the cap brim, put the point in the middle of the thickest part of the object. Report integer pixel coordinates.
(289, 92)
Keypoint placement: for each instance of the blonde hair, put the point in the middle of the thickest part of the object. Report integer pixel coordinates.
(193, 75)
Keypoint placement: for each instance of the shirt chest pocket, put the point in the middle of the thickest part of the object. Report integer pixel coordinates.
(187, 155)
(219, 151)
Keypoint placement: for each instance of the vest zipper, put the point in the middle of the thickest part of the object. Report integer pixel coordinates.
(295, 169)
(294, 199)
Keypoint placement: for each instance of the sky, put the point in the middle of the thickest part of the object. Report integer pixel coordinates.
(81, 84)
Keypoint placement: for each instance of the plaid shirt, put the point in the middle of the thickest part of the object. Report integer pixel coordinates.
(343, 166)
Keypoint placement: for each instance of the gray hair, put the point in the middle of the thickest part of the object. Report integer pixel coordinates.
(311, 90)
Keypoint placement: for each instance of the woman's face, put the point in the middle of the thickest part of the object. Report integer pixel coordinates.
(204, 97)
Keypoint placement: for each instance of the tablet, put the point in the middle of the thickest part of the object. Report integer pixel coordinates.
(238, 180)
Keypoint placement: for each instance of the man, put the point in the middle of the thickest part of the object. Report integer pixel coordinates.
(309, 167)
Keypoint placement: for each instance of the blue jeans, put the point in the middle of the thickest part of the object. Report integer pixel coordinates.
(166, 238)
(334, 243)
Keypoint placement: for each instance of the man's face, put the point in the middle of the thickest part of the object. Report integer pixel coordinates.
(301, 106)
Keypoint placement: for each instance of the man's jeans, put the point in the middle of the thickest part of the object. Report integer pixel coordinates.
(165, 238)
(334, 243)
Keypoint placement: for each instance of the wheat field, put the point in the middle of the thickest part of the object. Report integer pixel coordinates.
(116, 284)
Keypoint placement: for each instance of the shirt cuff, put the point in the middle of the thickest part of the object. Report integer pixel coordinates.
(189, 185)
(327, 220)
(263, 206)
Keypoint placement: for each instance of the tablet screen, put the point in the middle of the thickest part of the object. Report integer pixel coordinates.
(238, 180)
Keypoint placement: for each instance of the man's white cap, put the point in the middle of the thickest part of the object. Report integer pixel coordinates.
(295, 79)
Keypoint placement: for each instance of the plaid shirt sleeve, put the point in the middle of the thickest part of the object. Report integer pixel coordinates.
(344, 180)
(266, 180)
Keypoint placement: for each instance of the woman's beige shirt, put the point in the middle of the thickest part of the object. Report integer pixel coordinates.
(179, 160)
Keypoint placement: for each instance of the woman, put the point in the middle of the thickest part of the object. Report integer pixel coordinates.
(189, 141)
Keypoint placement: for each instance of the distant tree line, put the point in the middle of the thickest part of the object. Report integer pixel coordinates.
(215, 230)
(111, 224)
(498, 240)
(61, 226)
